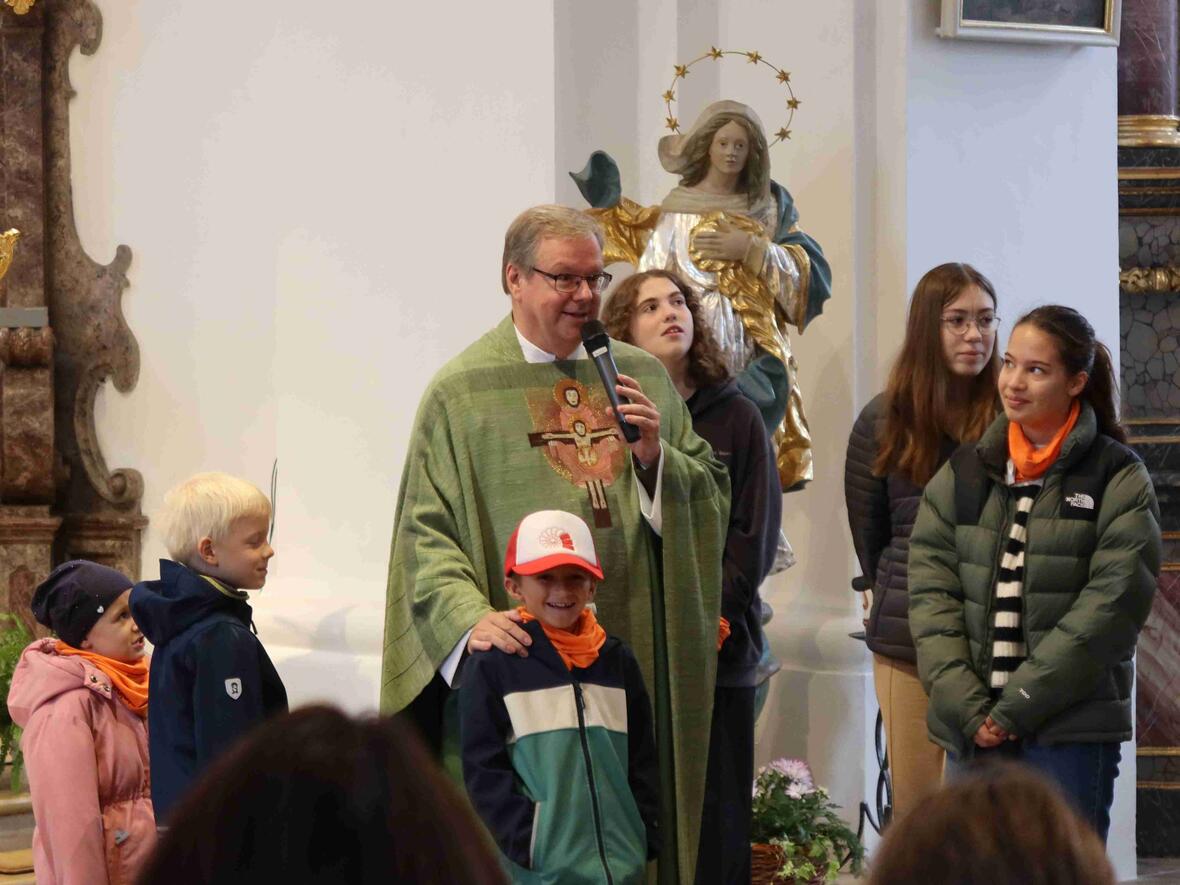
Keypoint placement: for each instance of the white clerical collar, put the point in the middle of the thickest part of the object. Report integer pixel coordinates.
(534, 354)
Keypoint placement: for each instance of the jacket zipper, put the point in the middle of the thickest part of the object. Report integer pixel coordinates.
(581, 704)
(989, 643)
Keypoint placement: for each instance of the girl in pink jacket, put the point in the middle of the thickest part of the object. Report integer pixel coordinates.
(82, 702)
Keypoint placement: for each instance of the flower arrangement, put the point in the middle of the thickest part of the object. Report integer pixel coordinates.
(807, 841)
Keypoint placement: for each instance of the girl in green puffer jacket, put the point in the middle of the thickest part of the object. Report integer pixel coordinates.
(1032, 568)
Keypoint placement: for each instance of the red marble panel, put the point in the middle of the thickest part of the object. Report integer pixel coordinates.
(1158, 660)
(1147, 58)
(22, 175)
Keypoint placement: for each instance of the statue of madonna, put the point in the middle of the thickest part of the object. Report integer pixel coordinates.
(732, 233)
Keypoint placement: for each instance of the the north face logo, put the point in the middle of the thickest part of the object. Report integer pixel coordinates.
(1080, 500)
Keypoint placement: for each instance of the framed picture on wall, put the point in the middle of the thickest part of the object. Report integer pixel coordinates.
(1036, 21)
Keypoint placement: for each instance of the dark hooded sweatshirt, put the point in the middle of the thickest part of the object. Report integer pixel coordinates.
(210, 682)
(733, 426)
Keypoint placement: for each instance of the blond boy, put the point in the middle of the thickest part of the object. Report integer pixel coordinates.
(211, 680)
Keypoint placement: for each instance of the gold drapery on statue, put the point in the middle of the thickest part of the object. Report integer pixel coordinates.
(765, 322)
(628, 227)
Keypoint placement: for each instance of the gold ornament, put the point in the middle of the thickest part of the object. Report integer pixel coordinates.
(754, 57)
(7, 245)
(20, 7)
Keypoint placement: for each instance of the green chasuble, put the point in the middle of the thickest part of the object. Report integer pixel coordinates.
(497, 438)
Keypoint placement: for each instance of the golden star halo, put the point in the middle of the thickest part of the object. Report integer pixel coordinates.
(752, 56)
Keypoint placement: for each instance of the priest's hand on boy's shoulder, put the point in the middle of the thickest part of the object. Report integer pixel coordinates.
(641, 412)
(502, 630)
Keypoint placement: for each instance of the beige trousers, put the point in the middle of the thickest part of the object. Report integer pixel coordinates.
(915, 763)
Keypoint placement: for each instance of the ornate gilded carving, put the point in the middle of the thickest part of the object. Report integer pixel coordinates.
(1150, 279)
(1149, 130)
(7, 248)
(20, 7)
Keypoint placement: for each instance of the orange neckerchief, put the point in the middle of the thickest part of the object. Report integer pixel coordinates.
(723, 631)
(578, 647)
(129, 680)
(1031, 462)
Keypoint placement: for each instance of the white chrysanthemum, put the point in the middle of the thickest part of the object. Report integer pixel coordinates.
(797, 770)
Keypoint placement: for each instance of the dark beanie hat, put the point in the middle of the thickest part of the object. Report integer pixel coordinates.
(74, 596)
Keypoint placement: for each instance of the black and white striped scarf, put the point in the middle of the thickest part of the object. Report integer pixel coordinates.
(1008, 646)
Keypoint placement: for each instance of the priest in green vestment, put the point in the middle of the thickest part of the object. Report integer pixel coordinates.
(519, 422)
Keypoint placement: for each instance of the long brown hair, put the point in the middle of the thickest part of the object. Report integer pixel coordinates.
(919, 409)
(706, 363)
(1081, 351)
(755, 175)
(1002, 824)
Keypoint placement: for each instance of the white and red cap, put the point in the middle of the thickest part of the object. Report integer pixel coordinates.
(547, 539)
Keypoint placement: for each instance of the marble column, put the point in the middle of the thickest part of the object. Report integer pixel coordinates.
(1147, 74)
(1149, 257)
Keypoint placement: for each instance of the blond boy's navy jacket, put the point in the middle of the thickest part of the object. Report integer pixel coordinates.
(211, 680)
(560, 763)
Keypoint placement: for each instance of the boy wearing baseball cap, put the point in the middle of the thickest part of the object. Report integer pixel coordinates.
(558, 747)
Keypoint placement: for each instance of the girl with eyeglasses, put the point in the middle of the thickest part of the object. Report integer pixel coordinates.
(941, 392)
(1032, 568)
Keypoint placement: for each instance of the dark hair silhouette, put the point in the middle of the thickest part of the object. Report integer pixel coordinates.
(1001, 824)
(319, 797)
(920, 407)
(1081, 351)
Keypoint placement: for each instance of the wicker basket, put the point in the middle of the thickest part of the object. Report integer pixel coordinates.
(765, 861)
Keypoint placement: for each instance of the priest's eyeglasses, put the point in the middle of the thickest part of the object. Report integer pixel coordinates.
(567, 283)
(959, 323)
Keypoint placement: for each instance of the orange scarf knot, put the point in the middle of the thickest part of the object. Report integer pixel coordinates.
(723, 631)
(129, 680)
(579, 645)
(1031, 462)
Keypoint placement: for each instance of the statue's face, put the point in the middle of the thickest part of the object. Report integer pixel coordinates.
(730, 148)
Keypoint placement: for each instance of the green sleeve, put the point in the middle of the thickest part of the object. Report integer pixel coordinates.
(435, 593)
(1102, 626)
(958, 696)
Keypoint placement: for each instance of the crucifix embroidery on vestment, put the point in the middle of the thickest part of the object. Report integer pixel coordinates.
(580, 440)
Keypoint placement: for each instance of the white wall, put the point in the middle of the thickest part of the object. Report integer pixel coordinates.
(315, 199)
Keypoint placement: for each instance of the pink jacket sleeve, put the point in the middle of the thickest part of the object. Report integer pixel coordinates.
(63, 779)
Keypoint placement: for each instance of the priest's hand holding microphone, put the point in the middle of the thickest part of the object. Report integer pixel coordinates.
(638, 417)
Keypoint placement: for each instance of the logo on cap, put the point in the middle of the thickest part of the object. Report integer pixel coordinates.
(553, 537)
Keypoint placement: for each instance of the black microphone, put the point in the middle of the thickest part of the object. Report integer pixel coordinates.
(597, 344)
